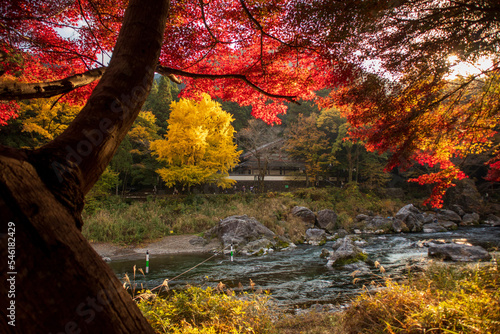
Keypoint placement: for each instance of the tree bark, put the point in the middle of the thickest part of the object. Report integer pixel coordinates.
(61, 284)
(12, 90)
(57, 282)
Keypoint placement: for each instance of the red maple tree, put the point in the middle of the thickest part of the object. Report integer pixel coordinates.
(249, 52)
(254, 52)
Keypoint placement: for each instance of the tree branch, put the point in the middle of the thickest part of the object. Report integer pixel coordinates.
(163, 70)
(25, 91)
(19, 91)
(259, 27)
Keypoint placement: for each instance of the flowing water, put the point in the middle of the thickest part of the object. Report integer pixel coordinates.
(299, 276)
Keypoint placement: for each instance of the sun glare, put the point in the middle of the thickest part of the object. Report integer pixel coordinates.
(464, 69)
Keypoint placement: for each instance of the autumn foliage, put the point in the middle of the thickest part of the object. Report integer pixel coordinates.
(198, 147)
(266, 53)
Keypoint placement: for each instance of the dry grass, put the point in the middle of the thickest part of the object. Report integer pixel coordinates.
(308, 323)
(119, 222)
(207, 311)
(446, 299)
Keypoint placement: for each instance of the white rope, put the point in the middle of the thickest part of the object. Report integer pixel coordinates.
(176, 277)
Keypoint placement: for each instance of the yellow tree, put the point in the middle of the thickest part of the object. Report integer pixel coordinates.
(40, 121)
(198, 147)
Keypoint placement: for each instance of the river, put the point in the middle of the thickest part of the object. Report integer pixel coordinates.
(299, 277)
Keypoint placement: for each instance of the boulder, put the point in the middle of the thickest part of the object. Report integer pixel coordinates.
(429, 218)
(458, 209)
(458, 252)
(305, 214)
(492, 220)
(341, 233)
(399, 226)
(470, 219)
(325, 253)
(362, 217)
(315, 236)
(327, 220)
(449, 225)
(412, 217)
(449, 215)
(413, 223)
(360, 268)
(433, 228)
(257, 247)
(464, 194)
(345, 252)
(407, 209)
(379, 223)
(240, 230)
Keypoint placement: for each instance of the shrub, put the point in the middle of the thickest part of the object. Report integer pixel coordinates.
(446, 299)
(207, 311)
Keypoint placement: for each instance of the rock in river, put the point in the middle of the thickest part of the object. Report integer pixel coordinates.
(345, 252)
(458, 252)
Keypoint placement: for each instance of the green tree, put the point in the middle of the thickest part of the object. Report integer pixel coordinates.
(241, 114)
(373, 173)
(121, 163)
(107, 182)
(305, 141)
(144, 131)
(163, 92)
(198, 147)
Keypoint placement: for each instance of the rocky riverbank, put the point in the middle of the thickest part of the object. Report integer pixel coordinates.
(175, 244)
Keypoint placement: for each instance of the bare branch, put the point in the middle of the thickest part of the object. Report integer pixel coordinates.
(172, 71)
(11, 90)
(259, 27)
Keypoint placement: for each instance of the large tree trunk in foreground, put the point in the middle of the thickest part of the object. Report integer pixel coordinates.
(58, 283)
(62, 284)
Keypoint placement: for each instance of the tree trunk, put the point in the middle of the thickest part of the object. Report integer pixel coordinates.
(357, 163)
(57, 283)
(61, 284)
(350, 163)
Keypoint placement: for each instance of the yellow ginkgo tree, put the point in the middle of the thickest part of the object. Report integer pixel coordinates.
(198, 147)
(44, 119)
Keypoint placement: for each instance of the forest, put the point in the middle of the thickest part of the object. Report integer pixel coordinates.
(311, 135)
(317, 137)
(108, 97)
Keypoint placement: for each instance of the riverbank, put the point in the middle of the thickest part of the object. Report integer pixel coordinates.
(174, 244)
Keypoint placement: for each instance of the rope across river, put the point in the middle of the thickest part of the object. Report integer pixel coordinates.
(165, 281)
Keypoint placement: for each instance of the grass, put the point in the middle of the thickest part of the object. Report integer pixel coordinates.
(447, 298)
(307, 323)
(113, 220)
(206, 311)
